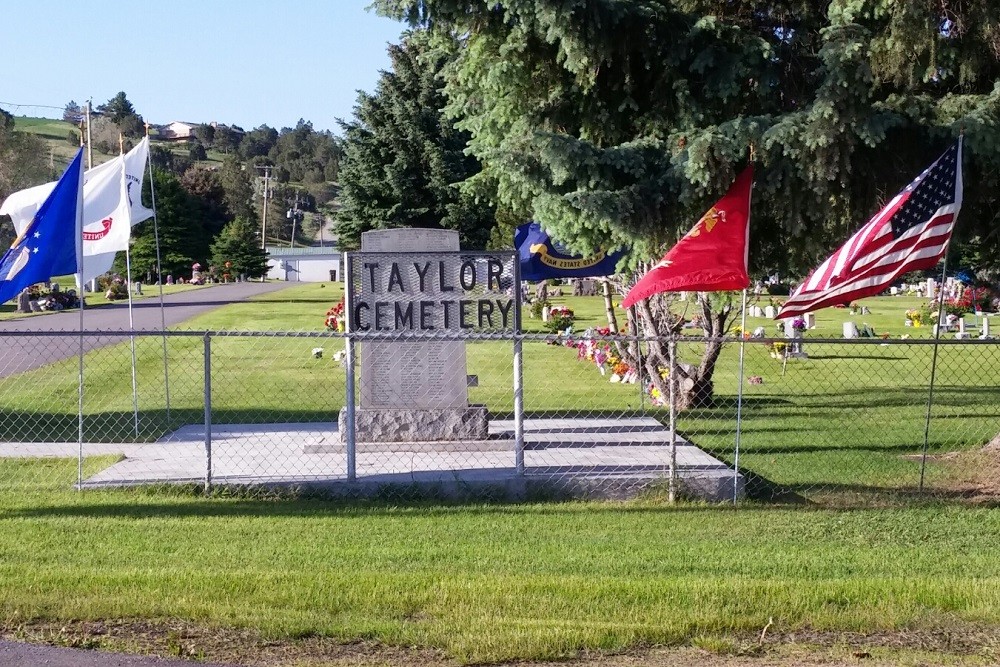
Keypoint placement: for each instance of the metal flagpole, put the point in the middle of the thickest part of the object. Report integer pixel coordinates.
(739, 401)
(159, 274)
(743, 331)
(128, 290)
(934, 357)
(937, 329)
(79, 388)
(672, 380)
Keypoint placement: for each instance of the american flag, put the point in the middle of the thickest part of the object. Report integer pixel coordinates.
(911, 233)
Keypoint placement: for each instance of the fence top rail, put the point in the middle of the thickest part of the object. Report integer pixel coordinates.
(395, 336)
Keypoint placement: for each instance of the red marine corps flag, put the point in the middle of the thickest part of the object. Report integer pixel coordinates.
(712, 257)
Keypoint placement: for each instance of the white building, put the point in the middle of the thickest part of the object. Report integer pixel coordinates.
(308, 265)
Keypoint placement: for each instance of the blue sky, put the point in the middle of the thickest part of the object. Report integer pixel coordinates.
(244, 63)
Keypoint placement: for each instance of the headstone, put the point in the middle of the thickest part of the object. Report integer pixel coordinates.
(810, 319)
(417, 390)
(961, 326)
(35, 306)
(769, 312)
(23, 302)
(795, 346)
(138, 288)
(893, 291)
(170, 280)
(545, 313)
(588, 287)
(930, 286)
(850, 330)
(756, 311)
(986, 327)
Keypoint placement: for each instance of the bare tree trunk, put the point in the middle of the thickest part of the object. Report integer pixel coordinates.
(609, 306)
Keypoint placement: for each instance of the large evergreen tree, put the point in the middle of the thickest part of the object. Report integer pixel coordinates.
(182, 239)
(403, 160)
(237, 250)
(618, 123)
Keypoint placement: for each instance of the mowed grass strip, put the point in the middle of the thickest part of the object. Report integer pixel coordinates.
(490, 583)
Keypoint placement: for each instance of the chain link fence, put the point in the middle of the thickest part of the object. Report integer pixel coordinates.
(425, 414)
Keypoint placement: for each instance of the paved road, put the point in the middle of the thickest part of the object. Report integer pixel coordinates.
(23, 353)
(33, 655)
(146, 312)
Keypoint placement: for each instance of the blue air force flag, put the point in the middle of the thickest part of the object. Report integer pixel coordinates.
(51, 243)
(543, 258)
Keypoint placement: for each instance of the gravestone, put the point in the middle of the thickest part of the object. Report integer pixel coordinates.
(986, 327)
(893, 291)
(931, 287)
(810, 319)
(756, 311)
(795, 346)
(417, 390)
(850, 330)
(24, 302)
(769, 312)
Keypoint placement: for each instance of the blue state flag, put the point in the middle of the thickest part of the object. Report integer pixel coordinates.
(50, 244)
(542, 258)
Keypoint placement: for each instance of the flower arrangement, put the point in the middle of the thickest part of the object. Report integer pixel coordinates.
(918, 317)
(799, 324)
(778, 350)
(560, 319)
(973, 299)
(335, 320)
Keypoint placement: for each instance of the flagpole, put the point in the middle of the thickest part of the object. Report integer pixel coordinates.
(743, 331)
(159, 275)
(79, 268)
(672, 378)
(937, 336)
(128, 291)
(739, 401)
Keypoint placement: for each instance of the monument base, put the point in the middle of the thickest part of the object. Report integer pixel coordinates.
(410, 425)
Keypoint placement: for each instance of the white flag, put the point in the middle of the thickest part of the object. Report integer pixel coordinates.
(102, 193)
(112, 205)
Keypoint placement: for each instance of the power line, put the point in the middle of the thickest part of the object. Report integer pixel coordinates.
(18, 106)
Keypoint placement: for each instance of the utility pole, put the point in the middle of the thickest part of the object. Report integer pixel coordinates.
(263, 223)
(90, 149)
(295, 215)
(267, 195)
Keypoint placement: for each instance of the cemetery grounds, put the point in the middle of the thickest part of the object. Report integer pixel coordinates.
(834, 557)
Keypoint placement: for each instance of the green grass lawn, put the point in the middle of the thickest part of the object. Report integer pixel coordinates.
(533, 581)
(845, 423)
(491, 583)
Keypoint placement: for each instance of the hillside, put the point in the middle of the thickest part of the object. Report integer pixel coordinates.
(56, 132)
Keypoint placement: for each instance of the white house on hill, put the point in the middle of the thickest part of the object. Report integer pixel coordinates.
(177, 131)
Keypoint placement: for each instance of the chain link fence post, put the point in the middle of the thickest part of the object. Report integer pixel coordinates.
(518, 373)
(348, 436)
(208, 411)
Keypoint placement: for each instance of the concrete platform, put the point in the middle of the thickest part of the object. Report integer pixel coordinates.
(592, 458)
